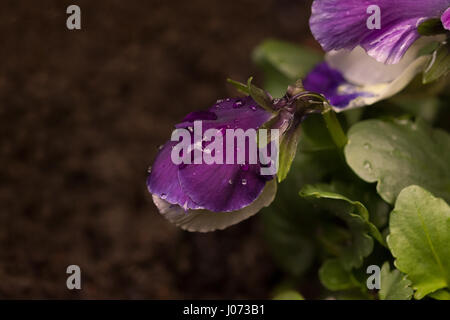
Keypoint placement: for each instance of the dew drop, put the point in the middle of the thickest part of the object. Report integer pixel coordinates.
(149, 169)
(244, 182)
(253, 108)
(367, 165)
(160, 147)
(238, 104)
(227, 99)
(219, 101)
(230, 181)
(163, 196)
(190, 129)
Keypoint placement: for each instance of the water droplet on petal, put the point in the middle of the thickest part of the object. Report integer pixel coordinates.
(238, 104)
(160, 147)
(219, 101)
(190, 129)
(230, 181)
(244, 182)
(227, 99)
(253, 108)
(163, 196)
(149, 170)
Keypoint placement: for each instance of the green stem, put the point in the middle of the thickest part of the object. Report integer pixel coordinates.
(334, 127)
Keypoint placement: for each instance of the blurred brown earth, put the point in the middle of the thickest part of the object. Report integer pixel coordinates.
(81, 116)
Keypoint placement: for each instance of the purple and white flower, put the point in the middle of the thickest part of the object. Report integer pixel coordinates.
(351, 79)
(206, 197)
(341, 24)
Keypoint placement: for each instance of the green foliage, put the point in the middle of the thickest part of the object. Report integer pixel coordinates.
(334, 277)
(355, 216)
(290, 221)
(419, 239)
(289, 295)
(349, 181)
(396, 154)
(394, 285)
(283, 63)
(288, 148)
(439, 64)
(431, 27)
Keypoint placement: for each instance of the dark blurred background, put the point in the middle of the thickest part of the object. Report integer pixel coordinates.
(81, 116)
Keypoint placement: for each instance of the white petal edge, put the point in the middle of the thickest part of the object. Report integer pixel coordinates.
(383, 91)
(207, 221)
(359, 68)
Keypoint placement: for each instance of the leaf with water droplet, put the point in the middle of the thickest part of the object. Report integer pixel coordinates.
(260, 96)
(402, 153)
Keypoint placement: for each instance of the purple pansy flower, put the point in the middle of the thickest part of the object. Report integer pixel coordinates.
(351, 79)
(327, 81)
(341, 24)
(206, 197)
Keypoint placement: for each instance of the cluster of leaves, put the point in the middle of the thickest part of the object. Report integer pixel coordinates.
(383, 200)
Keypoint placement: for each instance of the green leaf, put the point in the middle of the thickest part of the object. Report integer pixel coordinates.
(426, 108)
(439, 64)
(354, 214)
(286, 224)
(431, 27)
(260, 96)
(291, 60)
(419, 239)
(399, 154)
(289, 295)
(440, 295)
(239, 86)
(334, 277)
(394, 285)
(314, 135)
(291, 222)
(288, 148)
(283, 63)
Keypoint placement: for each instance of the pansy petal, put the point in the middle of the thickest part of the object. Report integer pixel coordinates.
(326, 80)
(342, 24)
(163, 179)
(345, 95)
(445, 18)
(359, 68)
(205, 221)
(222, 187)
(234, 113)
(226, 187)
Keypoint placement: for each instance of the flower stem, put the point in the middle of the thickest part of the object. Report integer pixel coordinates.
(334, 127)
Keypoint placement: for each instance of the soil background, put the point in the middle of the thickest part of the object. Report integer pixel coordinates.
(82, 114)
